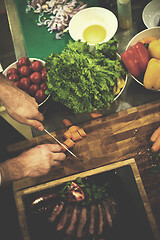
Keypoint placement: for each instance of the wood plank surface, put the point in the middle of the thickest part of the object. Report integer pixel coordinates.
(112, 138)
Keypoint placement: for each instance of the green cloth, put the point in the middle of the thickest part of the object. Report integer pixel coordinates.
(40, 43)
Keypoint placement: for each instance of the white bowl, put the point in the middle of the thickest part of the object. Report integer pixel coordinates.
(14, 65)
(122, 89)
(93, 16)
(155, 32)
(151, 14)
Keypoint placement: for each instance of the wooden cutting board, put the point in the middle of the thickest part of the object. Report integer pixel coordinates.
(112, 138)
(109, 138)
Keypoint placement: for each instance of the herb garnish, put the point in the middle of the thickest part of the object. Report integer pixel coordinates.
(93, 192)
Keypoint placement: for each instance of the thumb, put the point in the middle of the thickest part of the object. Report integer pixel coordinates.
(36, 124)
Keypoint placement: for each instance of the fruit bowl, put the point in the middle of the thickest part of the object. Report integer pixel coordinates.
(150, 32)
(30, 76)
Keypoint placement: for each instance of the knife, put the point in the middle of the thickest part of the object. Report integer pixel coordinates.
(59, 143)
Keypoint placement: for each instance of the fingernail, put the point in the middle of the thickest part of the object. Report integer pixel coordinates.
(40, 128)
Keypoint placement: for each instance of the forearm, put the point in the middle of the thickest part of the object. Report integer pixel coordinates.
(5, 88)
(10, 170)
(34, 162)
(20, 105)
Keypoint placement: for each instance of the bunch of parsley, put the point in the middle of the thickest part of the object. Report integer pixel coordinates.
(82, 80)
(93, 192)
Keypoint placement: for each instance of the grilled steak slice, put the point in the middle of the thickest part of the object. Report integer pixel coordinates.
(72, 224)
(65, 218)
(82, 223)
(112, 204)
(108, 214)
(56, 211)
(72, 227)
(93, 218)
(101, 219)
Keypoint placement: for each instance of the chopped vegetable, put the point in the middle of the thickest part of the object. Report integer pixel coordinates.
(95, 115)
(155, 135)
(154, 49)
(136, 59)
(67, 134)
(76, 136)
(82, 132)
(67, 122)
(81, 80)
(74, 133)
(69, 143)
(73, 128)
(55, 14)
(152, 74)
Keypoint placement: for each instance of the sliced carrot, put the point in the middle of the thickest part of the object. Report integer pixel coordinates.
(73, 128)
(67, 134)
(69, 143)
(95, 115)
(64, 149)
(67, 122)
(82, 132)
(76, 136)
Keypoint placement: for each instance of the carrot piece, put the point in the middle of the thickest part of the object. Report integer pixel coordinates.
(67, 134)
(155, 135)
(69, 143)
(64, 149)
(95, 115)
(82, 132)
(67, 122)
(76, 136)
(73, 128)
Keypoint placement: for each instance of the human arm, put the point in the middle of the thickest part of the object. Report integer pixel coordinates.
(155, 138)
(34, 162)
(20, 105)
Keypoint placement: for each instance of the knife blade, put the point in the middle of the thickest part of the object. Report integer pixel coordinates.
(60, 143)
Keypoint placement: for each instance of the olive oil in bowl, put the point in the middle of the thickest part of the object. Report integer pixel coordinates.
(94, 34)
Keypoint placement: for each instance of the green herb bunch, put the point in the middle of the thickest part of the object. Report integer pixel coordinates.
(93, 192)
(82, 80)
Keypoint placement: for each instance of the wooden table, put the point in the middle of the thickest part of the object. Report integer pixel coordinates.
(110, 139)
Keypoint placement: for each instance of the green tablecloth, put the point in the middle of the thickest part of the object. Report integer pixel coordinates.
(39, 43)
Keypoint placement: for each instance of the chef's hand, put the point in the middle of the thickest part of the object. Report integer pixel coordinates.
(34, 162)
(155, 138)
(20, 105)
